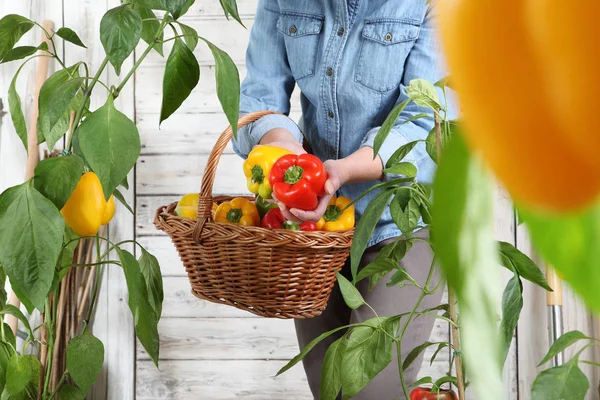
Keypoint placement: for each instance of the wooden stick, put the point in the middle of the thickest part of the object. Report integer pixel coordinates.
(456, 344)
(554, 298)
(43, 354)
(33, 156)
(59, 325)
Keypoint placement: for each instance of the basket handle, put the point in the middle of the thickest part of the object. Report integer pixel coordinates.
(205, 200)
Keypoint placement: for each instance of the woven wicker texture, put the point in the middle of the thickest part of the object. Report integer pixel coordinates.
(271, 273)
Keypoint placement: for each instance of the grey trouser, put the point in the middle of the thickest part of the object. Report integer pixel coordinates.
(387, 301)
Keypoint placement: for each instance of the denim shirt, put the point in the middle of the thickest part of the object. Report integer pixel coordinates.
(352, 61)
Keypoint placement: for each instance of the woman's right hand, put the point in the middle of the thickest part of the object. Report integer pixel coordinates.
(282, 138)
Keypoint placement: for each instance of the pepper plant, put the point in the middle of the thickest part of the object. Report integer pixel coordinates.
(365, 349)
(36, 243)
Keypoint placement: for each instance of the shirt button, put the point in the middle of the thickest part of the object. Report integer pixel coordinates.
(388, 37)
(331, 114)
(293, 29)
(329, 71)
(340, 32)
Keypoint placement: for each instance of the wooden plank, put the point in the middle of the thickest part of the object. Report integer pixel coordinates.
(225, 339)
(180, 303)
(220, 380)
(202, 100)
(176, 175)
(184, 133)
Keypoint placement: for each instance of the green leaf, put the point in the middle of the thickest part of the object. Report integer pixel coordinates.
(228, 84)
(399, 154)
(85, 356)
(69, 392)
(366, 226)
(177, 7)
(463, 227)
(19, 53)
(331, 375)
(9, 309)
(514, 259)
(182, 74)
(570, 243)
(120, 32)
(31, 229)
(20, 292)
(125, 184)
(16, 111)
(119, 196)
(230, 8)
(368, 352)
(50, 124)
(563, 382)
(387, 126)
(378, 269)
(351, 295)
(422, 381)
(512, 304)
(441, 346)
(62, 98)
(66, 258)
(442, 83)
(399, 276)
(151, 272)
(12, 28)
(414, 354)
(150, 27)
(6, 353)
(404, 168)
(406, 219)
(57, 177)
(562, 343)
(20, 371)
(431, 145)
(70, 36)
(423, 93)
(191, 36)
(110, 143)
(145, 319)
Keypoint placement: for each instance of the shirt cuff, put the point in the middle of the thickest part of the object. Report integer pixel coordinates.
(393, 142)
(251, 134)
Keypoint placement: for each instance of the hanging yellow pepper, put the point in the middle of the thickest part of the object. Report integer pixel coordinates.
(238, 211)
(257, 167)
(527, 80)
(335, 217)
(86, 210)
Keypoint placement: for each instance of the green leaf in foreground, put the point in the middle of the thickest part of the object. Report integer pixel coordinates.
(151, 272)
(70, 36)
(463, 226)
(20, 371)
(31, 229)
(563, 382)
(423, 93)
(150, 27)
(144, 316)
(12, 28)
(85, 356)
(351, 295)
(513, 259)
(16, 110)
(387, 126)
(512, 303)
(110, 143)
(562, 343)
(182, 74)
(331, 376)
(120, 32)
(57, 177)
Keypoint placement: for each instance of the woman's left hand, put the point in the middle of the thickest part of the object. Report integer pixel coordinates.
(337, 176)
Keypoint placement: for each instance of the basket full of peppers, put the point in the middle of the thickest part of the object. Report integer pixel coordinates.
(241, 250)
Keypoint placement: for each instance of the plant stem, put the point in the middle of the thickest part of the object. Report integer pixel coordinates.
(88, 94)
(456, 345)
(50, 345)
(98, 278)
(405, 327)
(58, 386)
(144, 54)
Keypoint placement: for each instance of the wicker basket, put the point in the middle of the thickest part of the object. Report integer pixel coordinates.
(272, 273)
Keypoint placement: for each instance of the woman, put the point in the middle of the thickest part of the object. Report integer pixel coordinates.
(352, 61)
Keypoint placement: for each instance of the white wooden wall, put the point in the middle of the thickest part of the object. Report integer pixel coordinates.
(209, 351)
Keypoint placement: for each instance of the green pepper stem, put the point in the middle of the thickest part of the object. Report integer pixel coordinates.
(258, 175)
(234, 215)
(332, 213)
(293, 174)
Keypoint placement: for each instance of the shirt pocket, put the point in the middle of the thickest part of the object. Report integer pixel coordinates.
(383, 52)
(301, 36)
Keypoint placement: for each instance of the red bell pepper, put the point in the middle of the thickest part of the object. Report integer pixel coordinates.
(274, 219)
(426, 394)
(298, 181)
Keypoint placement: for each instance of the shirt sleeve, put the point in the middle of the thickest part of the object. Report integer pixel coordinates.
(424, 62)
(269, 82)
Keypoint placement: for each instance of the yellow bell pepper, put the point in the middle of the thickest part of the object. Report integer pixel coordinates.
(187, 206)
(335, 217)
(109, 210)
(238, 211)
(84, 210)
(257, 167)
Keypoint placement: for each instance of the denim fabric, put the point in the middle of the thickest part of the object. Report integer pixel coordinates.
(352, 61)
